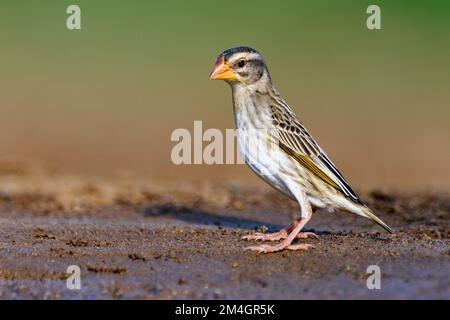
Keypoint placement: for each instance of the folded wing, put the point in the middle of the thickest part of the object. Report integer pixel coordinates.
(295, 140)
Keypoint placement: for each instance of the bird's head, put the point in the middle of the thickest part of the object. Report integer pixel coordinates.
(241, 65)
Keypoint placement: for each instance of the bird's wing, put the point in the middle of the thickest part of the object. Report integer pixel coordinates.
(295, 140)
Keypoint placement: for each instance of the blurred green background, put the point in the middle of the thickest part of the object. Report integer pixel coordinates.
(106, 98)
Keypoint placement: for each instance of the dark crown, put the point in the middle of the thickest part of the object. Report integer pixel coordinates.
(228, 53)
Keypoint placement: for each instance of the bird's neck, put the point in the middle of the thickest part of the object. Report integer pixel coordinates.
(251, 104)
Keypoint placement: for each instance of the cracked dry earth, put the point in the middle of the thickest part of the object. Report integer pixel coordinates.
(144, 239)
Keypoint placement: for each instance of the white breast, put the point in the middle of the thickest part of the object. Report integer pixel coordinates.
(253, 125)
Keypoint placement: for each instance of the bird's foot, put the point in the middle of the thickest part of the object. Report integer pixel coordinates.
(280, 235)
(264, 248)
(288, 234)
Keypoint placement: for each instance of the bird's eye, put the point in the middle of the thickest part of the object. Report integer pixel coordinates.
(241, 63)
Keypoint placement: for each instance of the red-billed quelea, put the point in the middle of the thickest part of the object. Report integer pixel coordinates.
(280, 150)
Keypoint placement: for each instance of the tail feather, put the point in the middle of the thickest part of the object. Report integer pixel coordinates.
(370, 214)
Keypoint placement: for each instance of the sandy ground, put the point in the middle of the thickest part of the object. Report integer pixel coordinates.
(137, 238)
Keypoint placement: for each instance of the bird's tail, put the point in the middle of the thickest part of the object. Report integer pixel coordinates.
(370, 214)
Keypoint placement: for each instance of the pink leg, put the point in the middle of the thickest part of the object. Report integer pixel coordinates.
(297, 226)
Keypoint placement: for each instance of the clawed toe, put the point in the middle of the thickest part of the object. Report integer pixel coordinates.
(301, 246)
(254, 236)
(266, 236)
(306, 235)
(264, 248)
(277, 236)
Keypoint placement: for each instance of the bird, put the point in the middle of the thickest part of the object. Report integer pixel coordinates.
(280, 150)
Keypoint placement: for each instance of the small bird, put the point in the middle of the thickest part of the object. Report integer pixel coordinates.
(279, 149)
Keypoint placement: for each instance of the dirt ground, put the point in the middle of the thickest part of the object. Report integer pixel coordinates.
(137, 238)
